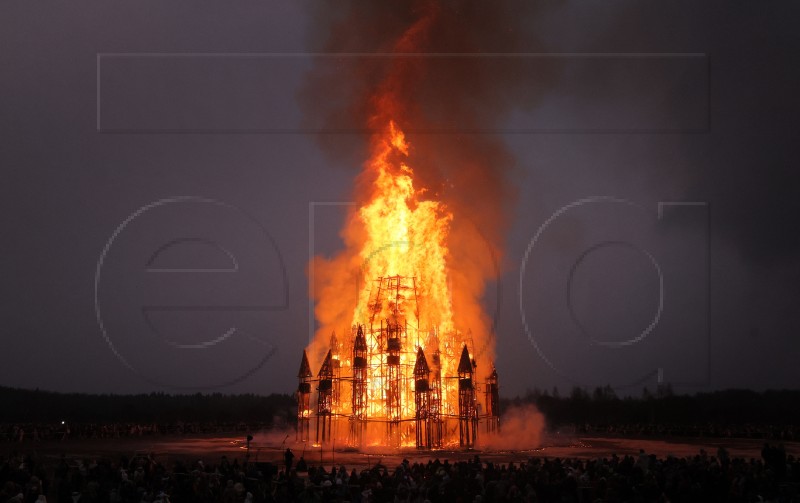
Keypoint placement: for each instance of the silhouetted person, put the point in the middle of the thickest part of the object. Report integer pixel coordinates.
(301, 465)
(724, 458)
(288, 456)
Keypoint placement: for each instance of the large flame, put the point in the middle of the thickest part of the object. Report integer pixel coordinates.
(405, 236)
(398, 238)
(401, 246)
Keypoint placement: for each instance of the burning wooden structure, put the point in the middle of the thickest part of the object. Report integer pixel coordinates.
(420, 242)
(304, 400)
(376, 387)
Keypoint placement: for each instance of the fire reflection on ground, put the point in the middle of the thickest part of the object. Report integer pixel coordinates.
(270, 448)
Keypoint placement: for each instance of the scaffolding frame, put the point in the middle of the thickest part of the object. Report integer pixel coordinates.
(358, 419)
(467, 407)
(325, 401)
(303, 400)
(492, 401)
(393, 396)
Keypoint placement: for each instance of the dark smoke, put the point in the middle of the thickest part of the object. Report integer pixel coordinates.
(442, 72)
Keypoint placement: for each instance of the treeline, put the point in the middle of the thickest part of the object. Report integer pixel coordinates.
(580, 406)
(603, 406)
(32, 406)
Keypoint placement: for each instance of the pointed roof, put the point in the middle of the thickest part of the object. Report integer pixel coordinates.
(493, 375)
(421, 366)
(326, 371)
(305, 368)
(334, 341)
(464, 363)
(361, 341)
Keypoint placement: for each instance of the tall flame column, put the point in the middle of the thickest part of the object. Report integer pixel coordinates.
(336, 368)
(393, 382)
(358, 421)
(436, 402)
(422, 401)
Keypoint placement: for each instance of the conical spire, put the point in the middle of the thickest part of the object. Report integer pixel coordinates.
(421, 366)
(305, 368)
(464, 364)
(361, 341)
(326, 371)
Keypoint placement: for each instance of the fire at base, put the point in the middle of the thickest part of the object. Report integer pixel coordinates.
(377, 387)
(405, 375)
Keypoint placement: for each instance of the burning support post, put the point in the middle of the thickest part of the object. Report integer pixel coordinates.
(392, 400)
(393, 411)
(325, 401)
(358, 421)
(422, 401)
(336, 367)
(467, 412)
(492, 402)
(435, 413)
(303, 400)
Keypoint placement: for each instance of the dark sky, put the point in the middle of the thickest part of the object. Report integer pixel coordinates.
(162, 193)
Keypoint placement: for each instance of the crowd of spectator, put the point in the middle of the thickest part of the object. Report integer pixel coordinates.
(705, 477)
(27, 432)
(22, 432)
(782, 433)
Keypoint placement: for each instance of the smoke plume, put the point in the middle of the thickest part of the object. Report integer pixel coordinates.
(439, 71)
(521, 428)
